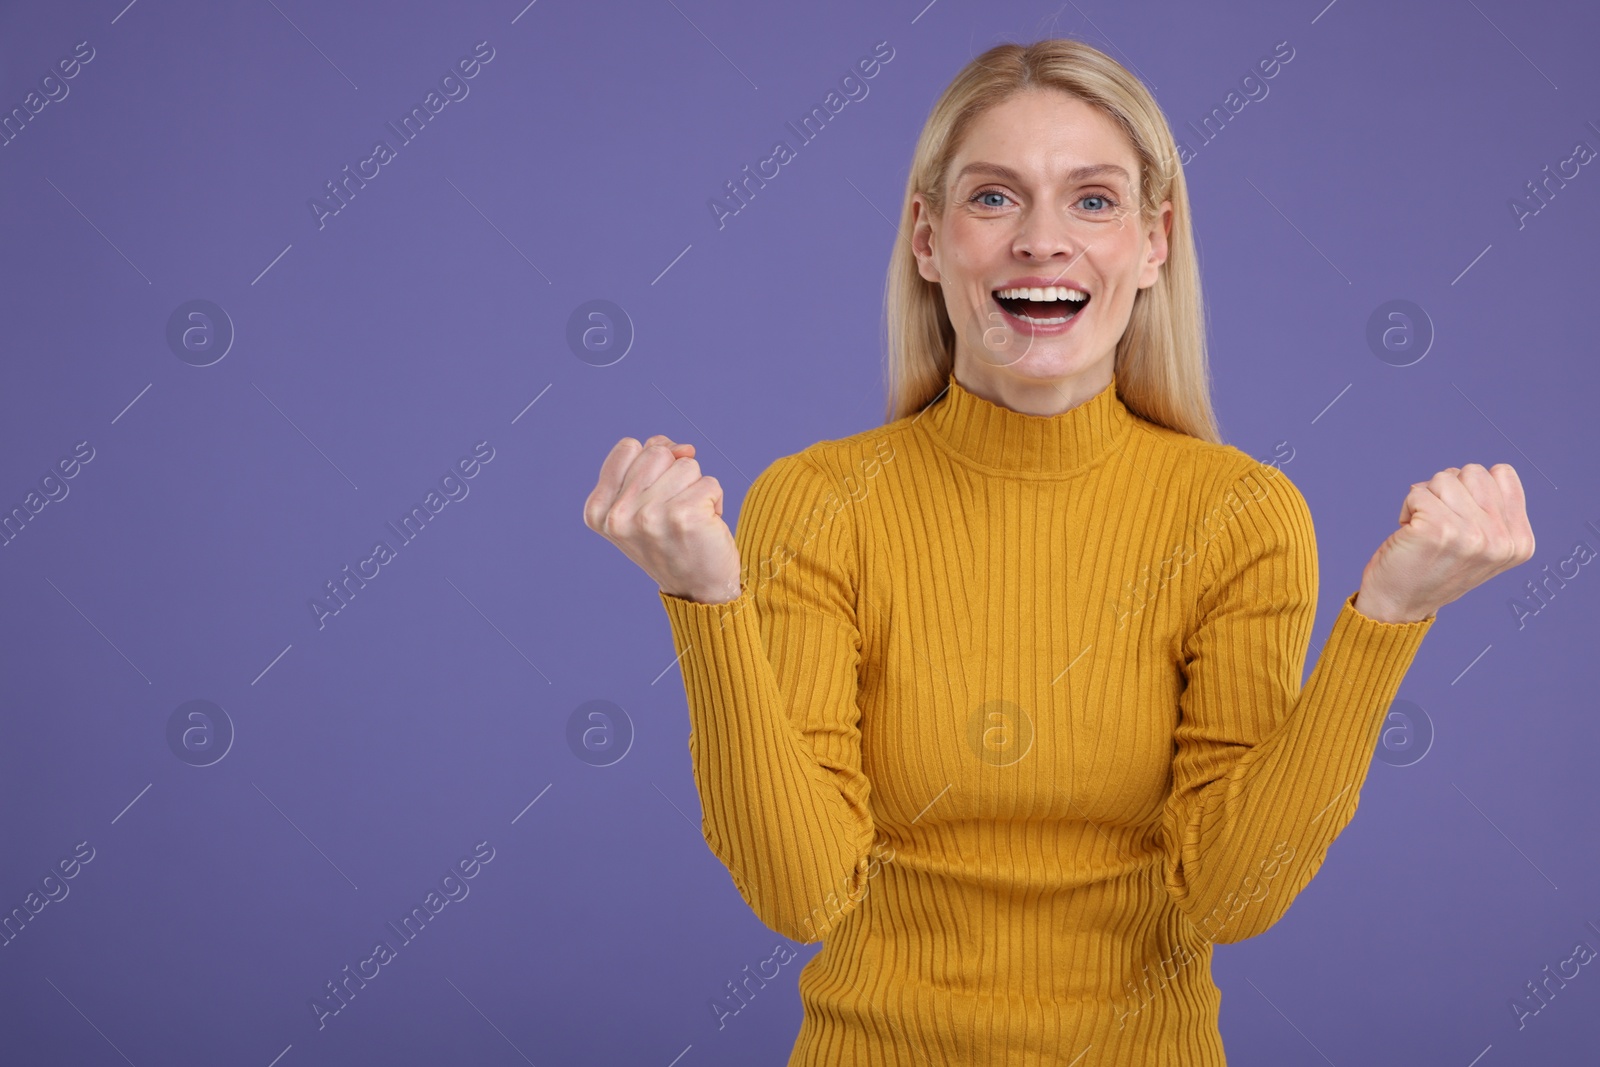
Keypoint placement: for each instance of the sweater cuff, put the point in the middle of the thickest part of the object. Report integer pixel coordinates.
(1389, 646)
(695, 620)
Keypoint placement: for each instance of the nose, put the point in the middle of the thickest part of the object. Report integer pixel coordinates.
(1045, 233)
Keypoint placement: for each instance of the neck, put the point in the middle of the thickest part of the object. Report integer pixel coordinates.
(1033, 396)
(998, 440)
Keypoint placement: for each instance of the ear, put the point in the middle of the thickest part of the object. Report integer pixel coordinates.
(922, 238)
(1157, 240)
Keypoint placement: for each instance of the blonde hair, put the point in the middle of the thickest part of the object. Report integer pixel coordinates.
(1160, 363)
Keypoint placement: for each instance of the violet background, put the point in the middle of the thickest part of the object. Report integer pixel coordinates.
(428, 315)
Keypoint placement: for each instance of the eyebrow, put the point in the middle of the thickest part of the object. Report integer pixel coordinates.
(1076, 174)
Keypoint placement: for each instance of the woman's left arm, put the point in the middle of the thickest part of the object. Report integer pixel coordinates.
(1266, 774)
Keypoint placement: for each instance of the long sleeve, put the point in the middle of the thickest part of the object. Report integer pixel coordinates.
(771, 682)
(898, 582)
(1265, 774)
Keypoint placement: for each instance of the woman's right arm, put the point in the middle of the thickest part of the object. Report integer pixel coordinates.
(770, 674)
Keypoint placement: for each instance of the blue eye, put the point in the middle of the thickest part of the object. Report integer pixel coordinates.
(1108, 205)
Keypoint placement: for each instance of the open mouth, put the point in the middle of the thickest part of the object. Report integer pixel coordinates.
(1049, 306)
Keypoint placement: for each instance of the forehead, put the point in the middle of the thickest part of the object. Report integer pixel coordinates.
(1042, 134)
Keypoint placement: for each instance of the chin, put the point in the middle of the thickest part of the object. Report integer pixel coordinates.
(1046, 361)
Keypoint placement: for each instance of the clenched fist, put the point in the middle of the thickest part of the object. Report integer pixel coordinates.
(1457, 530)
(653, 503)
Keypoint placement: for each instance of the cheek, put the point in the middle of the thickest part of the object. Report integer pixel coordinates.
(961, 273)
(1118, 272)
(964, 260)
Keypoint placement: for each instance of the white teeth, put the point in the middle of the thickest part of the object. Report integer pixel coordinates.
(1052, 292)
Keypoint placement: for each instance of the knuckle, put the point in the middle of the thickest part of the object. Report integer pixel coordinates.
(675, 518)
(651, 518)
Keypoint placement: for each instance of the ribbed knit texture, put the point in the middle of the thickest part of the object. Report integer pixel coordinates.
(1008, 714)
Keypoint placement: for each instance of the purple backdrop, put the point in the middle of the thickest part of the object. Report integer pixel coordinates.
(241, 346)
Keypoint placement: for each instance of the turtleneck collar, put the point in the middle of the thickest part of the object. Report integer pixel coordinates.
(1004, 441)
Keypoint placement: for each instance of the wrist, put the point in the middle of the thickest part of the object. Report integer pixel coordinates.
(1380, 609)
(725, 595)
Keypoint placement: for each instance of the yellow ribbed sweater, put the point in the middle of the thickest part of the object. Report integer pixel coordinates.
(1008, 715)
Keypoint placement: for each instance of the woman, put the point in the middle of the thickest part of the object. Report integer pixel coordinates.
(1001, 701)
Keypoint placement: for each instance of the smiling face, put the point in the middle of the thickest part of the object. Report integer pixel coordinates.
(1041, 209)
